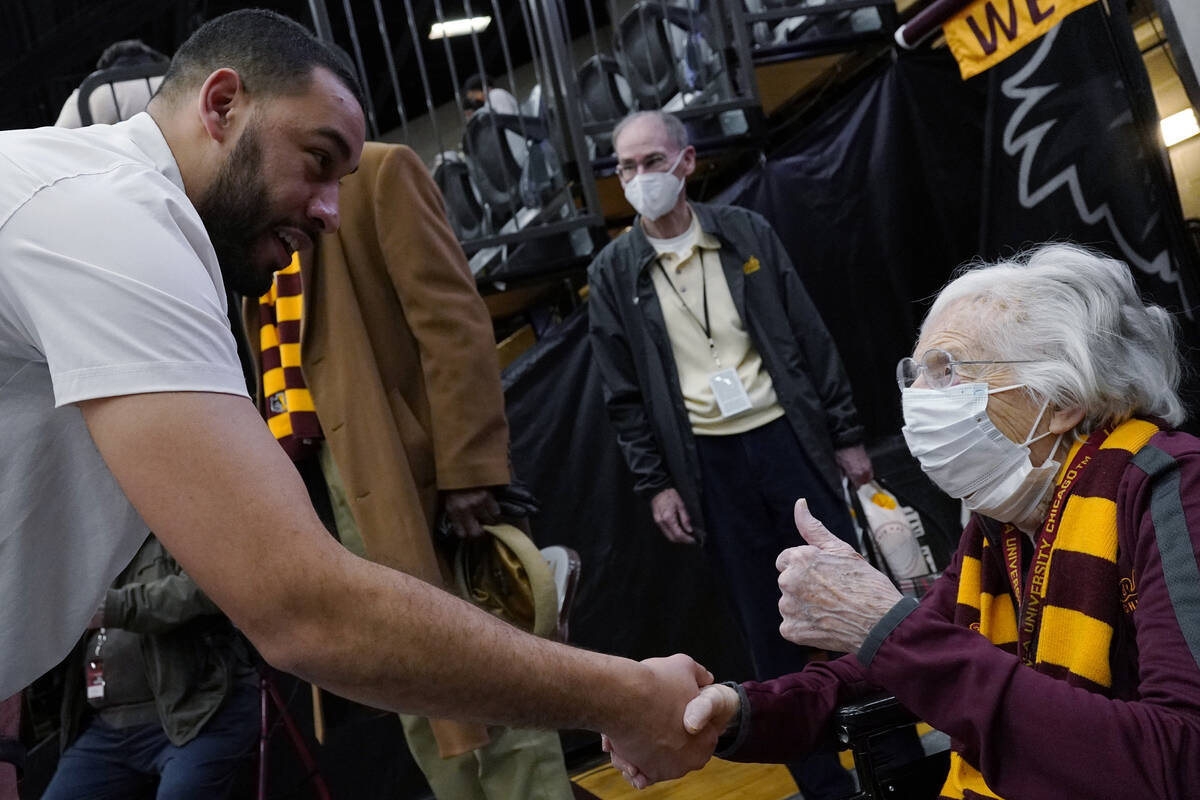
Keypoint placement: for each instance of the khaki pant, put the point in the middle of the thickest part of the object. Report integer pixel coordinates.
(517, 764)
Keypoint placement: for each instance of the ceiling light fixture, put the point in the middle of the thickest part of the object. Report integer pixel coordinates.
(1178, 127)
(459, 27)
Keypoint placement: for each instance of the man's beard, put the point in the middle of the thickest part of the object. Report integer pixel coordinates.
(236, 212)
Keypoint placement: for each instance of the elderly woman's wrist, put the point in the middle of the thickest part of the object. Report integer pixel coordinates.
(738, 726)
(890, 621)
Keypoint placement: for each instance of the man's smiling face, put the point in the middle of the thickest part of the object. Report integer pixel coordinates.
(277, 190)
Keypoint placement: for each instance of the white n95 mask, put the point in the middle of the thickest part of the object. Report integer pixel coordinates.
(961, 450)
(653, 194)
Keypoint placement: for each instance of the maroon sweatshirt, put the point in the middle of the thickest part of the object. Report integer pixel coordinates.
(1031, 735)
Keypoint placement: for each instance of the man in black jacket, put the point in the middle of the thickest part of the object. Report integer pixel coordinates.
(725, 388)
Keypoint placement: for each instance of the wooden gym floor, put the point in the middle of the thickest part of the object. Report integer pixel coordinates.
(719, 780)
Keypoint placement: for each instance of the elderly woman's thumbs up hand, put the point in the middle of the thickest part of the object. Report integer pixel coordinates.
(831, 596)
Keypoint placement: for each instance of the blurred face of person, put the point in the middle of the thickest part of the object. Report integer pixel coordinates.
(277, 189)
(473, 100)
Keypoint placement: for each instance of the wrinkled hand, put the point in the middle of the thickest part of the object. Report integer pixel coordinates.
(469, 510)
(671, 516)
(855, 464)
(831, 596)
(656, 746)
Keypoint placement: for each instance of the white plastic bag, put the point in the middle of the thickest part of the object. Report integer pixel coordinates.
(896, 531)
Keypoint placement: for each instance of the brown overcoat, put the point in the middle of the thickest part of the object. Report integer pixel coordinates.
(398, 351)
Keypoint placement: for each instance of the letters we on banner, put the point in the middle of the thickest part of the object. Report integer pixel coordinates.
(988, 31)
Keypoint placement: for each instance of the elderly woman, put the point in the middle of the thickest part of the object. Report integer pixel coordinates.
(1061, 648)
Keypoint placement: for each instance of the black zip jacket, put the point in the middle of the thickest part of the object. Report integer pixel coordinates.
(641, 386)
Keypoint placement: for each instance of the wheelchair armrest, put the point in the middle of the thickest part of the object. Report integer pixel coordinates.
(866, 717)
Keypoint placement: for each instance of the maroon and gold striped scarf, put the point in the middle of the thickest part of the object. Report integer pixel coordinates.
(288, 403)
(1080, 596)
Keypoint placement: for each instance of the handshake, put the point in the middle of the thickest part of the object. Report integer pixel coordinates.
(678, 731)
(830, 599)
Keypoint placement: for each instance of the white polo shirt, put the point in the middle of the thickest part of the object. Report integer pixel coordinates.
(108, 286)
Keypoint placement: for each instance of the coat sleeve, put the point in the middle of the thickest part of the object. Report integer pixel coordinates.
(1037, 737)
(825, 368)
(449, 321)
(622, 393)
(159, 605)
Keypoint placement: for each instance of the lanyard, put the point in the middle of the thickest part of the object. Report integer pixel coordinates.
(1032, 599)
(705, 326)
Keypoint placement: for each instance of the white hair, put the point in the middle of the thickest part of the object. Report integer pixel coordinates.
(1078, 314)
(676, 132)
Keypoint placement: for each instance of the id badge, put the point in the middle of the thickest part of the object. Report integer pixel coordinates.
(730, 393)
(94, 678)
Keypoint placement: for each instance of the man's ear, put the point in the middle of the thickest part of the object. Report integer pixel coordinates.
(220, 96)
(689, 160)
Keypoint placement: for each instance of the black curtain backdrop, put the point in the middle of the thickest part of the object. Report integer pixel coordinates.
(639, 595)
(876, 202)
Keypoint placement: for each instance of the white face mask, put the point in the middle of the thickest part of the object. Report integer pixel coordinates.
(959, 447)
(653, 194)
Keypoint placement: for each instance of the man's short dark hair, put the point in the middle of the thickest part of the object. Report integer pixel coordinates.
(129, 52)
(475, 83)
(272, 54)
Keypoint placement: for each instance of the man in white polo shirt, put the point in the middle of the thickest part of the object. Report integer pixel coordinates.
(725, 389)
(122, 404)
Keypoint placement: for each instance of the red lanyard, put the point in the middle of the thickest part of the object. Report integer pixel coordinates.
(1032, 600)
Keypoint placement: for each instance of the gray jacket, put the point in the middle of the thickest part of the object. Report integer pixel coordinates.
(641, 386)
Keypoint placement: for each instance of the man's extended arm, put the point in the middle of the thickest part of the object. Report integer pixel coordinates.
(207, 477)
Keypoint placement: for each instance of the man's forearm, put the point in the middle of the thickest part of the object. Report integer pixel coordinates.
(218, 491)
(401, 644)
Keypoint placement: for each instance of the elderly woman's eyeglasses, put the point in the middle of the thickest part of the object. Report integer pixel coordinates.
(655, 162)
(939, 368)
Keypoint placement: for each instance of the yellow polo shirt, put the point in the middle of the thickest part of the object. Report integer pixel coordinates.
(682, 259)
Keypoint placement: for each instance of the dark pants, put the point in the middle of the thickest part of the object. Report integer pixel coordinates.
(107, 763)
(750, 483)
